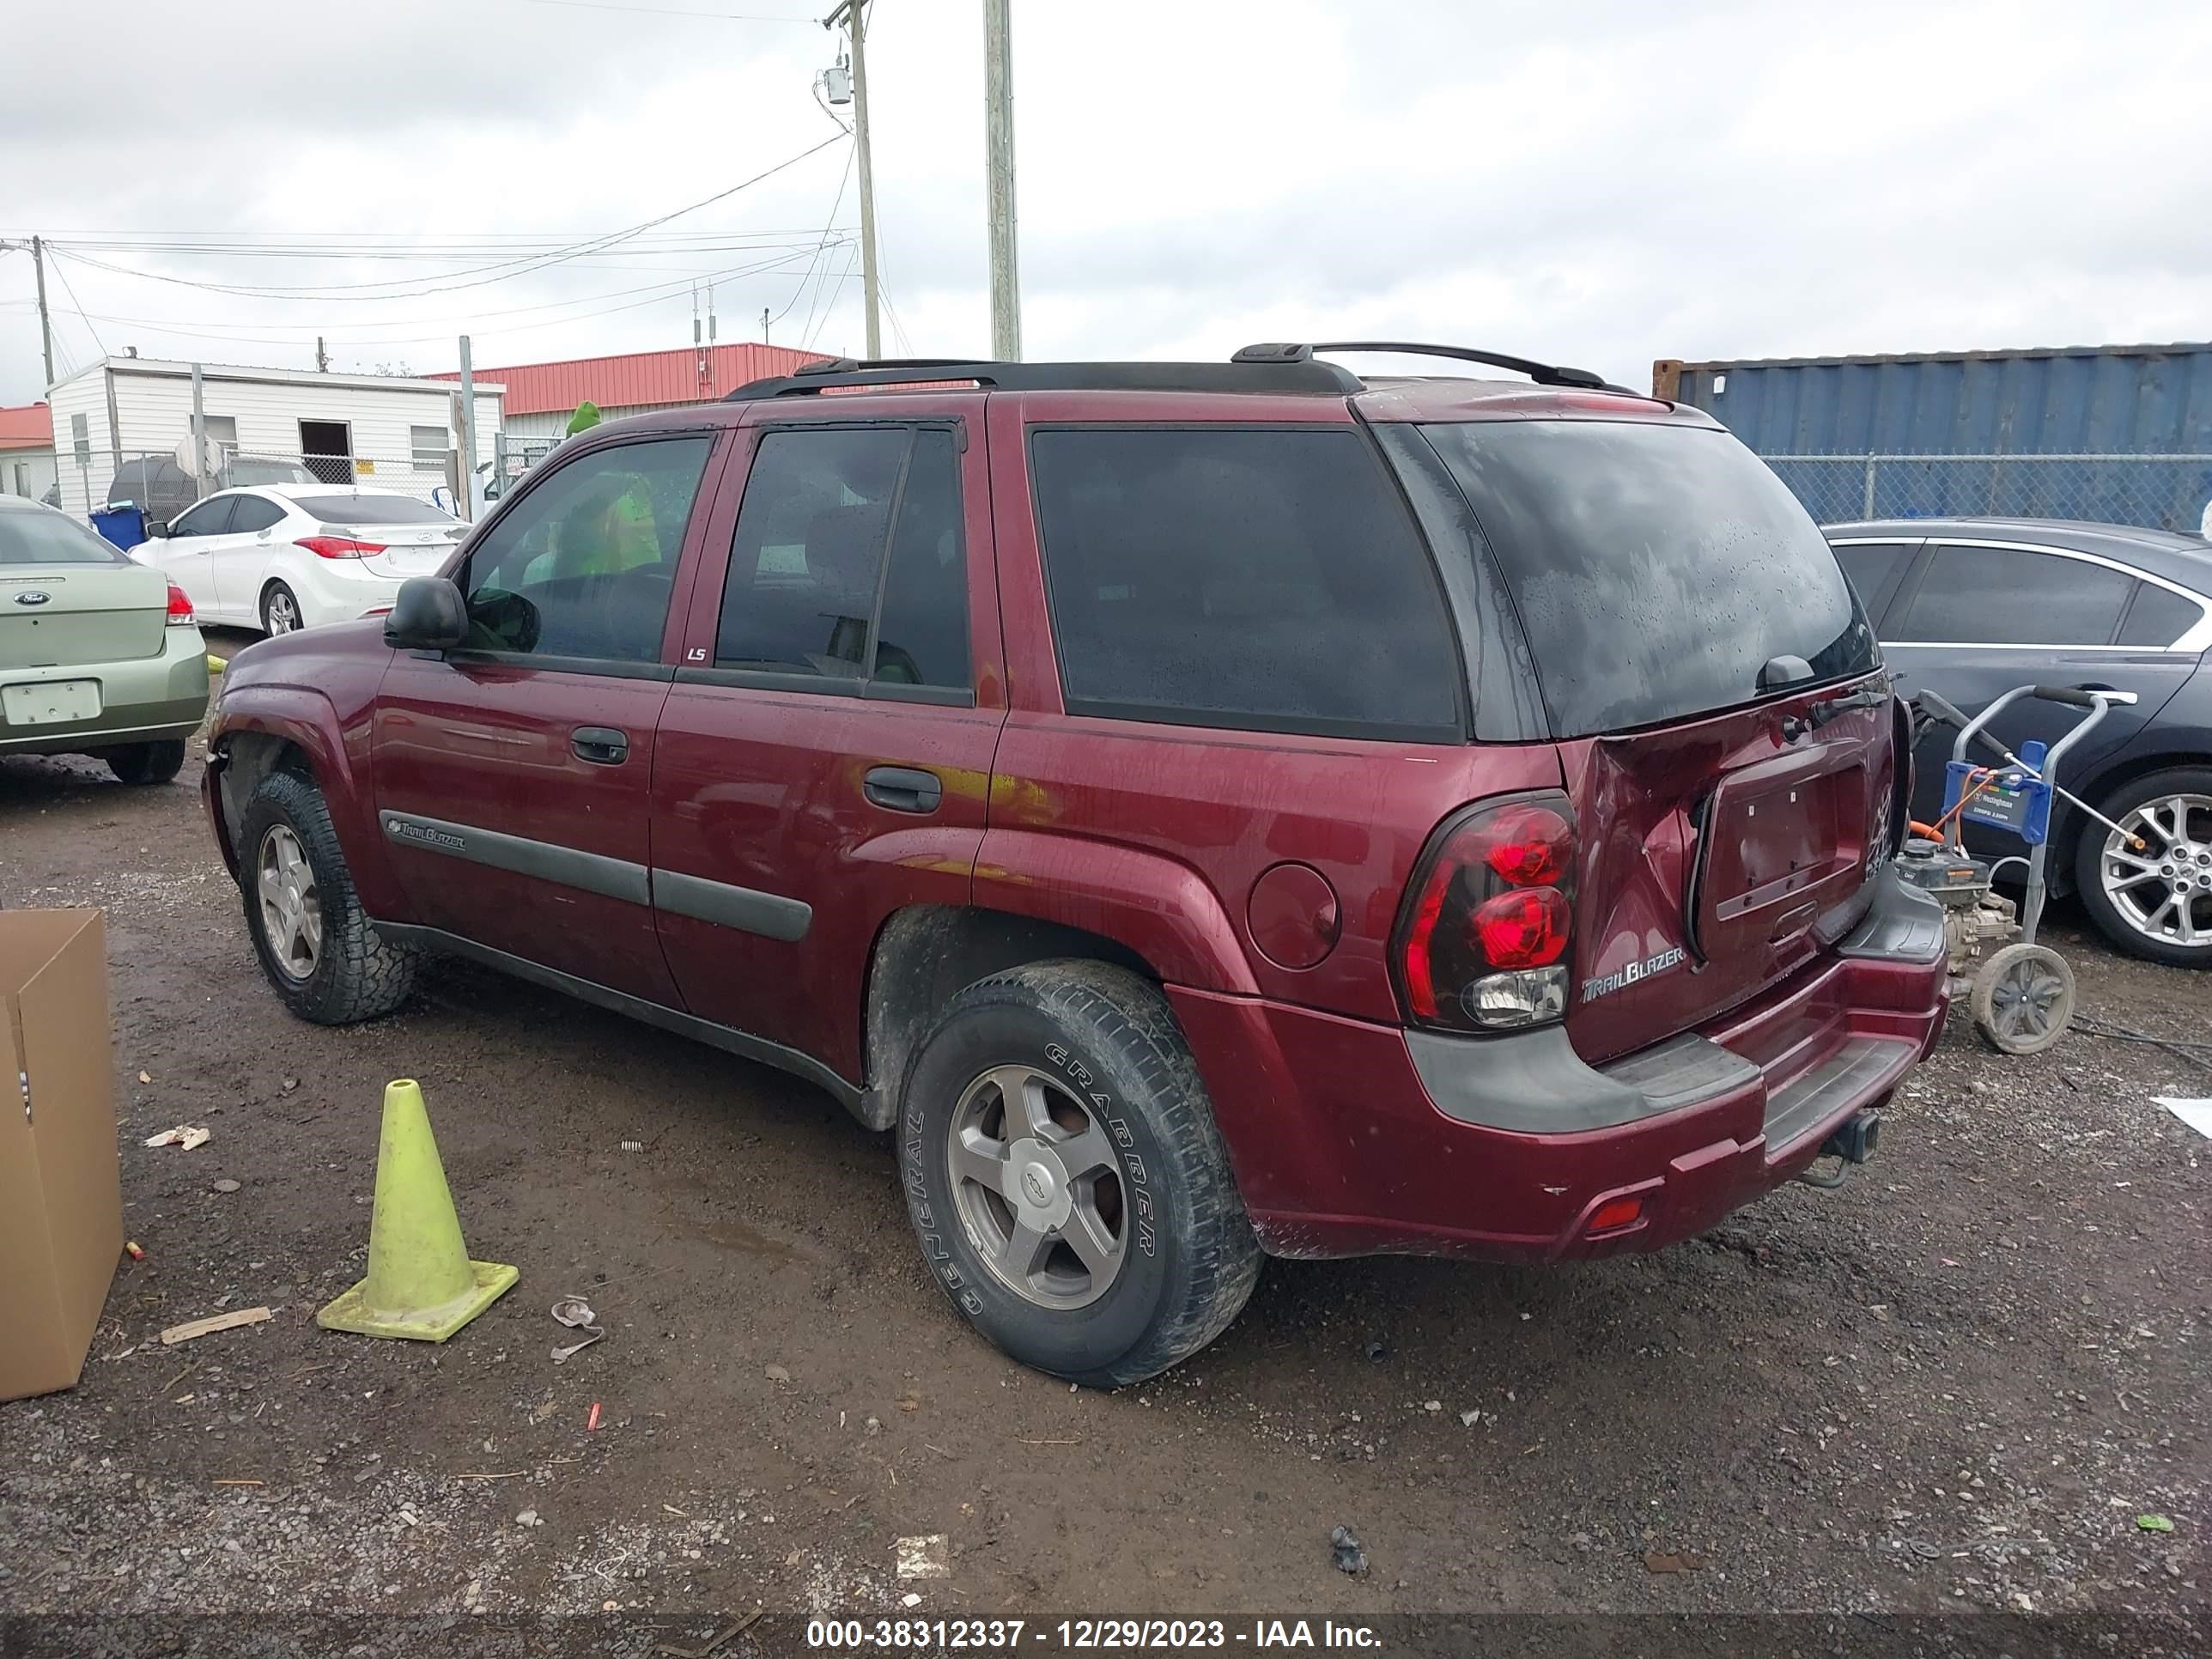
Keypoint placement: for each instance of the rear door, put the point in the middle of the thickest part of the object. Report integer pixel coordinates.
(824, 758)
(1977, 618)
(1722, 721)
(240, 557)
(513, 776)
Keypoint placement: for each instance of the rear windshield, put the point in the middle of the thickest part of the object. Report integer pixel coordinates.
(244, 469)
(372, 510)
(1656, 569)
(45, 538)
(1269, 580)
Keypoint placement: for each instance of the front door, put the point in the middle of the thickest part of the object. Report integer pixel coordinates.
(513, 775)
(825, 754)
(186, 553)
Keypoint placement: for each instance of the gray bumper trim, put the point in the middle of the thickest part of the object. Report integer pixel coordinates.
(1537, 1083)
(1902, 922)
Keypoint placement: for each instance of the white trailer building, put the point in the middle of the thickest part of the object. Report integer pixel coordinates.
(133, 416)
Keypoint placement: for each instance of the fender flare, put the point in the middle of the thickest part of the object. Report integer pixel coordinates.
(1162, 909)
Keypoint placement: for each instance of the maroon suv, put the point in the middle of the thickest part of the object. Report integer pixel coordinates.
(1207, 811)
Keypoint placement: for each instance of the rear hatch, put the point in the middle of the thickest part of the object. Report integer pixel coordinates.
(1723, 724)
(404, 537)
(67, 596)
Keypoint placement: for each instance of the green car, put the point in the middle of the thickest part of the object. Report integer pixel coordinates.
(99, 654)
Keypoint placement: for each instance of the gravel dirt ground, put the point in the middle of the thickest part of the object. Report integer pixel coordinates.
(1954, 1384)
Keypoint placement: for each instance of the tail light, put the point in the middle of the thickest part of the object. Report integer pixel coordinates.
(338, 547)
(180, 608)
(1484, 943)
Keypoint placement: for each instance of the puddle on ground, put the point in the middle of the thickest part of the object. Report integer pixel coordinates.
(737, 1236)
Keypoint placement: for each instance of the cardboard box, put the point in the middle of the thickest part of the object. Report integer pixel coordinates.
(61, 1188)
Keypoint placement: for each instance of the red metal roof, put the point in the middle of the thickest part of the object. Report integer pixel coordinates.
(641, 377)
(26, 426)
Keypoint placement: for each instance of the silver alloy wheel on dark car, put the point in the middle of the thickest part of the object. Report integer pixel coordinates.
(291, 906)
(1038, 1187)
(2164, 891)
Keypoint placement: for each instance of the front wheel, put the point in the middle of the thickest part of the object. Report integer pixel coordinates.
(2148, 886)
(2023, 999)
(1066, 1179)
(325, 961)
(146, 762)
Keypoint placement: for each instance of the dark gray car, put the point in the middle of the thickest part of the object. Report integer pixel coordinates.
(1971, 607)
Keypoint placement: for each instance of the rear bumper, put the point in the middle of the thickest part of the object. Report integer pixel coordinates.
(1349, 1138)
(144, 700)
(340, 590)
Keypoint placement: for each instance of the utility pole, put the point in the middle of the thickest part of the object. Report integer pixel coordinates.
(464, 493)
(322, 357)
(850, 12)
(46, 323)
(999, 165)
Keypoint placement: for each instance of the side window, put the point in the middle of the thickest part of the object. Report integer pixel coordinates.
(1266, 579)
(808, 590)
(2004, 596)
(585, 564)
(254, 514)
(1871, 568)
(208, 519)
(2159, 616)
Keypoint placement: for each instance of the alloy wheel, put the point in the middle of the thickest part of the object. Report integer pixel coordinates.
(2163, 889)
(283, 613)
(291, 907)
(1038, 1187)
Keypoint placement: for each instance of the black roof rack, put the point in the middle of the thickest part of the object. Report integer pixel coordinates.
(1541, 373)
(1283, 374)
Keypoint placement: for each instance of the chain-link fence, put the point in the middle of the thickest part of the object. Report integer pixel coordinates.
(158, 482)
(2159, 492)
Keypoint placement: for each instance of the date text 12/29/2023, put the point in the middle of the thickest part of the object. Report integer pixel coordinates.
(1078, 1635)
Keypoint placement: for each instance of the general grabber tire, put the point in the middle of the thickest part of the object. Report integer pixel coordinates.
(1064, 1177)
(319, 951)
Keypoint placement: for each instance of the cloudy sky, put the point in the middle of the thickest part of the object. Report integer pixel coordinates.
(1600, 183)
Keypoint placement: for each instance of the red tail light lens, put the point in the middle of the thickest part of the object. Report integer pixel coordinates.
(339, 547)
(180, 608)
(1524, 928)
(1483, 942)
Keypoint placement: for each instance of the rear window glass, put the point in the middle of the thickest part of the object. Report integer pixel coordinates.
(46, 537)
(2159, 616)
(1269, 580)
(1657, 569)
(2009, 596)
(372, 510)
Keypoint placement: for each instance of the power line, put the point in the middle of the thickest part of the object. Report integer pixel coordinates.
(665, 11)
(69, 290)
(822, 247)
(527, 264)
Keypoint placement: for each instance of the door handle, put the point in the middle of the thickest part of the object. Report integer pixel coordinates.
(903, 789)
(602, 746)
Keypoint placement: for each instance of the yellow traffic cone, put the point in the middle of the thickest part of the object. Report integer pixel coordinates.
(420, 1282)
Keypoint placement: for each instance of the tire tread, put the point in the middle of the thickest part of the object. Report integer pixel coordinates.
(367, 975)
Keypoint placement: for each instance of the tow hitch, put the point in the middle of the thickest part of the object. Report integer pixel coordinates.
(1854, 1142)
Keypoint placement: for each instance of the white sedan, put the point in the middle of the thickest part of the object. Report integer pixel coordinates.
(284, 556)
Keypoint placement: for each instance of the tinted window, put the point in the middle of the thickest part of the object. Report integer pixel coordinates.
(1871, 566)
(372, 510)
(583, 566)
(1265, 579)
(2159, 616)
(248, 470)
(1657, 569)
(807, 559)
(253, 514)
(2001, 596)
(921, 628)
(208, 519)
(41, 538)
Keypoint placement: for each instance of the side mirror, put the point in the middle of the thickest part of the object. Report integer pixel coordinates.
(428, 615)
(157, 527)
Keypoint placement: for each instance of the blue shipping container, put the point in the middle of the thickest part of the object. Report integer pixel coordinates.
(2065, 432)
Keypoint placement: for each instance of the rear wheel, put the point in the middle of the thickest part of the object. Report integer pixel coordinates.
(280, 610)
(320, 952)
(2149, 890)
(1063, 1175)
(2023, 999)
(146, 762)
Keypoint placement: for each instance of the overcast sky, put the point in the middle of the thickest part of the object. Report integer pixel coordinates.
(1600, 184)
